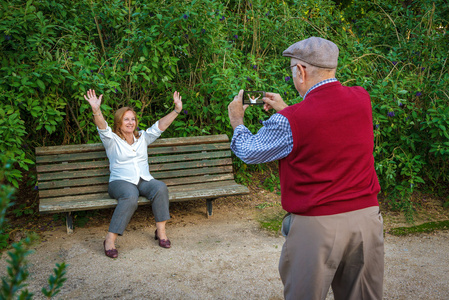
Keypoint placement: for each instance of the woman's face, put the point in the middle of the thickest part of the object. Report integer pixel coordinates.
(128, 123)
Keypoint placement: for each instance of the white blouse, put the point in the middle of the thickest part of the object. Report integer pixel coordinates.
(129, 162)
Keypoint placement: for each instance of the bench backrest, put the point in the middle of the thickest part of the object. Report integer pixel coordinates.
(74, 170)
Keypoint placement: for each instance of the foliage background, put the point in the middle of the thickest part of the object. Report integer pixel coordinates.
(138, 53)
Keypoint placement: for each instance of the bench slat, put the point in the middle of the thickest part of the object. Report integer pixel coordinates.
(192, 172)
(190, 156)
(74, 191)
(198, 179)
(64, 199)
(207, 193)
(188, 188)
(103, 201)
(73, 182)
(73, 166)
(71, 174)
(191, 165)
(98, 155)
(64, 149)
(188, 149)
(192, 140)
(49, 150)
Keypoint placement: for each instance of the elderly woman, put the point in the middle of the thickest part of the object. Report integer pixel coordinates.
(127, 150)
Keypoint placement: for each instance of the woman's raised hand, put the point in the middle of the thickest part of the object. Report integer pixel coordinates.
(177, 100)
(170, 117)
(93, 100)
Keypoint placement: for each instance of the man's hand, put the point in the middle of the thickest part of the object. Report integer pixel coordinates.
(236, 110)
(275, 101)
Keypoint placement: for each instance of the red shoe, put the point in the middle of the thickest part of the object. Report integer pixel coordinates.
(163, 243)
(113, 253)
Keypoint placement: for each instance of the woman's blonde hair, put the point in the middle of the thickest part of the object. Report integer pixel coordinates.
(118, 120)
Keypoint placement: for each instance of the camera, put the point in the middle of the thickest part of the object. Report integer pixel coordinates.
(253, 97)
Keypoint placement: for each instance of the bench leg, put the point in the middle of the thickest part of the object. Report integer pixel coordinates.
(209, 207)
(69, 222)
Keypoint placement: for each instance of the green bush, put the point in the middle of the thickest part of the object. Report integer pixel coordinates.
(139, 52)
(404, 68)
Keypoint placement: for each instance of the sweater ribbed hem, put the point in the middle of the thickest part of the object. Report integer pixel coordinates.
(338, 207)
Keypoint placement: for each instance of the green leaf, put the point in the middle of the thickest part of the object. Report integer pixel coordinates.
(41, 84)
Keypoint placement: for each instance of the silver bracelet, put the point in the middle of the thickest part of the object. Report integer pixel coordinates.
(174, 109)
(97, 114)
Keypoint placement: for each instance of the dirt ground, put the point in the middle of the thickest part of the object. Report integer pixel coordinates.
(226, 256)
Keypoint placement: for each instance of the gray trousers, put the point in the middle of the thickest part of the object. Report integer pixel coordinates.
(127, 195)
(345, 251)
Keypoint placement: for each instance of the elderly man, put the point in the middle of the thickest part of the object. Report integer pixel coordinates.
(324, 144)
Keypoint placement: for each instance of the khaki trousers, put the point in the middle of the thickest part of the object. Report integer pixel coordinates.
(345, 251)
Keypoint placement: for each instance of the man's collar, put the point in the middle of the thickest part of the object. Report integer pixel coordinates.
(320, 84)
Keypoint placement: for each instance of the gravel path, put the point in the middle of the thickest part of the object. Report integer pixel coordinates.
(225, 257)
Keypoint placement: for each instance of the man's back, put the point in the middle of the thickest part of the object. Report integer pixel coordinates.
(331, 167)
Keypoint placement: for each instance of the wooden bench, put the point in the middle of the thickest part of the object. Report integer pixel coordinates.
(75, 177)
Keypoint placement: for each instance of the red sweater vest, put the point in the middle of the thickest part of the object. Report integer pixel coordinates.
(331, 167)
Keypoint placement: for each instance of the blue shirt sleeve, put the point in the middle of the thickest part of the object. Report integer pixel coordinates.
(272, 142)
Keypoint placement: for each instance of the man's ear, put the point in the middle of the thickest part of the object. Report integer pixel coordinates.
(302, 73)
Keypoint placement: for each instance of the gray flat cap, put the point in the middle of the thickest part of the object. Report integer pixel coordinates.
(315, 51)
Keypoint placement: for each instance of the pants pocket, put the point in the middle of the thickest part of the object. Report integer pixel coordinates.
(286, 223)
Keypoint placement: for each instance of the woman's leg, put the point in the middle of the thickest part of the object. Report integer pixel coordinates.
(127, 195)
(110, 239)
(156, 191)
(161, 233)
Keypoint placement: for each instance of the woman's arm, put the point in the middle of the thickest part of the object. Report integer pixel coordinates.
(96, 110)
(168, 119)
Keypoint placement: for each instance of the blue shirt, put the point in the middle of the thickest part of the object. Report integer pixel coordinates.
(273, 141)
